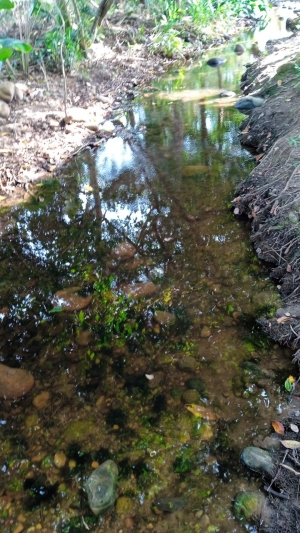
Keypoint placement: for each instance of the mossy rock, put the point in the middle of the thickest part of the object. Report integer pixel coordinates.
(79, 431)
(286, 69)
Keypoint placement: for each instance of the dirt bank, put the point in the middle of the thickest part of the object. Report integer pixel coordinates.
(271, 194)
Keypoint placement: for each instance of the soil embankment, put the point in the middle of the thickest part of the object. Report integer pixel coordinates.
(271, 198)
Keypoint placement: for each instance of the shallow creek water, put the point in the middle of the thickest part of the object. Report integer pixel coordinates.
(113, 380)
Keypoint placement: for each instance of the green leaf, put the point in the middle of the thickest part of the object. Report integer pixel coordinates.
(5, 53)
(288, 385)
(6, 4)
(15, 44)
(57, 309)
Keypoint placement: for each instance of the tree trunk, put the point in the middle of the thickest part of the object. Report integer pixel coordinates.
(102, 10)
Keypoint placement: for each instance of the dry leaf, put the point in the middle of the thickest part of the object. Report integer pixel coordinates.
(283, 319)
(279, 83)
(291, 444)
(278, 427)
(294, 428)
(5, 151)
(246, 130)
(289, 268)
(259, 156)
(202, 412)
(269, 135)
(2, 198)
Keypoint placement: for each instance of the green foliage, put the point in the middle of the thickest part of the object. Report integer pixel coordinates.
(167, 42)
(7, 45)
(52, 47)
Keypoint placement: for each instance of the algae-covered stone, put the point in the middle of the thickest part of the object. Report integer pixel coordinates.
(248, 505)
(101, 487)
(191, 396)
(259, 460)
(188, 364)
(124, 505)
(196, 383)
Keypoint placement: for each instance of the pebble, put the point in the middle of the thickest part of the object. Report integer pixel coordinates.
(216, 61)
(60, 459)
(205, 332)
(124, 505)
(204, 521)
(41, 400)
(18, 528)
(4, 109)
(188, 364)
(14, 382)
(258, 460)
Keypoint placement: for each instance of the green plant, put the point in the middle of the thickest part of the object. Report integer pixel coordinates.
(167, 42)
(8, 45)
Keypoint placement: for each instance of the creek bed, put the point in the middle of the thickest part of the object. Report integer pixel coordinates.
(168, 291)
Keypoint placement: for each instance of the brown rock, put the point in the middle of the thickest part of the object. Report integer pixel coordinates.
(69, 300)
(41, 400)
(4, 109)
(7, 91)
(14, 382)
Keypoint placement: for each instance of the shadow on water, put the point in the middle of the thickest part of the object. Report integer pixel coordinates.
(115, 374)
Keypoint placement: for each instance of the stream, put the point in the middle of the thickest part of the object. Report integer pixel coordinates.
(131, 293)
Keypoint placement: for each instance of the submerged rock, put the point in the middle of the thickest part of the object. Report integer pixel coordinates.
(188, 364)
(14, 382)
(248, 505)
(259, 460)
(239, 49)
(196, 383)
(170, 505)
(101, 487)
(216, 61)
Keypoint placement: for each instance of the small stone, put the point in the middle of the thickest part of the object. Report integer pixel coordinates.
(124, 505)
(128, 523)
(69, 300)
(18, 528)
(249, 504)
(14, 382)
(7, 91)
(19, 95)
(4, 109)
(196, 383)
(164, 318)
(216, 61)
(205, 332)
(101, 487)
(239, 49)
(248, 103)
(41, 401)
(204, 521)
(258, 460)
(188, 364)
(60, 459)
(190, 396)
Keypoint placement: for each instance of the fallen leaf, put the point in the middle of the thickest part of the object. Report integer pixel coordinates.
(5, 151)
(269, 135)
(202, 412)
(2, 198)
(289, 268)
(283, 319)
(278, 427)
(291, 444)
(259, 156)
(279, 83)
(294, 428)
(149, 376)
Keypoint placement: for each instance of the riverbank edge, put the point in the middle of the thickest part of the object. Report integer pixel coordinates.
(270, 197)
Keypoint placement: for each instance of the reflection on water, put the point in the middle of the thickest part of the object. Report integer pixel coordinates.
(148, 212)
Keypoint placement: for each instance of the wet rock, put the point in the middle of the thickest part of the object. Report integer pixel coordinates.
(4, 109)
(188, 364)
(227, 94)
(60, 459)
(216, 61)
(258, 460)
(196, 383)
(170, 505)
(124, 250)
(139, 290)
(190, 396)
(239, 49)
(205, 332)
(7, 91)
(248, 103)
(41, 400)
(14, 382)
(101, 487)
(124, 505)
(290, 310)
(248, 505)
(271, 443)
(164, 318)
(69, 300)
